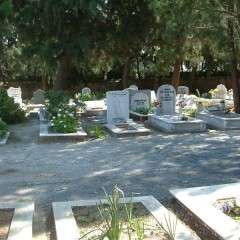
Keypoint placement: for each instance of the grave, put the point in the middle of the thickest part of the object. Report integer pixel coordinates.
(133, 87)
(4, 140)
(95, 108)
(220, 92)
(140, 104)
(38, 97)
(66, 227)
(118, 122)
(86, 90)
(220, 119)
(21, 224)
(166, 118)
(16, 94)
(183, 90)
(202, 202)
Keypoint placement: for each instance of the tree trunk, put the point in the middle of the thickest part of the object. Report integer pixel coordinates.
(126, 72)
(63, 72)
(234, 64)
(176, 72)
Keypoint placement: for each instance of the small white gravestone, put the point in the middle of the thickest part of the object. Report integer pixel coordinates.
(140, 100)
(86, 90)
(183, 90)
(38, 97)
(166, 95)
(153, 96)
(16, 94)
(133, 87)
(220, 92)
(117, 107)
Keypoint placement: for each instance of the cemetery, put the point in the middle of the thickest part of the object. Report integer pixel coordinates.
(119, 120)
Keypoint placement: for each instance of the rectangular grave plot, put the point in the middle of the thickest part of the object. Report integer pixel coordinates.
(67, 226)
(16, 221)
(201, 201)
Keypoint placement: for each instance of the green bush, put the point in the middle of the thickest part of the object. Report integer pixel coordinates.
(3, 128)
(55, 100)
(90, 96)
(96, 131)
(10, 112)
(65, 121)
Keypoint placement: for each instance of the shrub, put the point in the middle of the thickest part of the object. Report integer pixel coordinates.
(55, 100)
(96, 131)
(10, 112)
(82, 97)
(3, 128)
(65, 121)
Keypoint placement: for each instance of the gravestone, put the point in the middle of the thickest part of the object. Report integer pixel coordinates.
(220, 92)
(16, 94)
(183, 90)
(86, 90)
(153, 96)
(117, 107)
(133, 87)
(139, 101)
(166, 96)
(38, 97)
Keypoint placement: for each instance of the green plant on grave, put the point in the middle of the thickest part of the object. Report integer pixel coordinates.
(10, 112)
(65, 120)
(55, 100)
(3, 129)
(169, 226)
(82, 97)
(190, 112)
(96, 131)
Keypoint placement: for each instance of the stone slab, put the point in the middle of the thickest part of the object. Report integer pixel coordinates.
(137, 130)
(219, 122)
(4, 140)
(67, 229)
(46, 136)
(21, 225)
(167, 124)
(200, 200)
(95, 108)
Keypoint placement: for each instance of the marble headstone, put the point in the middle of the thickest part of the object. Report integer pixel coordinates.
(16, 94)
(183, 90)
(38, 97)
(139, 100)
(222, 91)
(117, 107)
(86, 90)
(166, 96)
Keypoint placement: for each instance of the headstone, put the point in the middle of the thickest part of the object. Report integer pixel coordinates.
(166, 96)
(183, 90)
(139, 100)
(16, 94)
(86, 90)
(153, 96)
(220, 92)
(38, 97)
(133, 87)
(117, 107)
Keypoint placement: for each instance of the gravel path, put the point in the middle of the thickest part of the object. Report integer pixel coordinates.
(140, 165)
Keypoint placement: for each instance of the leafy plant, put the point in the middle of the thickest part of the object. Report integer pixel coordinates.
(82, 97)
(143, 111)
(55, 100)
(190, 112)
(3, 128)
(65, 121)
(169, 226)
(10, 112)
(96, 131)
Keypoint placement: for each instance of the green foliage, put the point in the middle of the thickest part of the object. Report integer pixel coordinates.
(3, 128)
(55, 100)
(65, 120)
(144, 111)
(190, 112)
(82, 97)
(96, 131)
(10, 112)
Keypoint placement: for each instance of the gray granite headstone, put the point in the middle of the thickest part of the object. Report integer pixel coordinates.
(86, 90)
(38, 97)
(166, 95)
(183, 90)
(139, 100)
(16, 94)
(117, 107)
